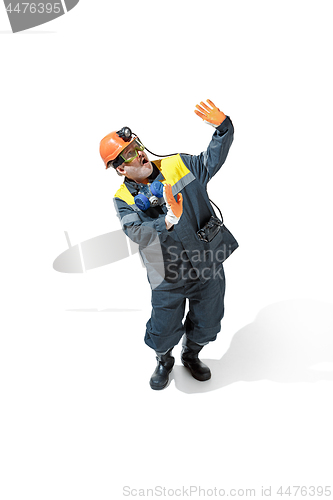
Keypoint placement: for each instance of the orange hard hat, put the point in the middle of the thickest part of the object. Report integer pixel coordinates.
(114, 143)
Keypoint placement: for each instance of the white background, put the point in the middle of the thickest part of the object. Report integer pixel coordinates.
(78, 418)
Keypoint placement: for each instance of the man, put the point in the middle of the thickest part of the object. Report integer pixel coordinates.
(181, 242)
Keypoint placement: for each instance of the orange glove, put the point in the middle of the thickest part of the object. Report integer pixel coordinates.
(211, 115)
(175, 207)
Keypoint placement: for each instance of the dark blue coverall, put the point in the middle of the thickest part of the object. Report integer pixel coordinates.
(179, 265)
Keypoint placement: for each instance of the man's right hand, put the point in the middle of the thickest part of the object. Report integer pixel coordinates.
(175, 207)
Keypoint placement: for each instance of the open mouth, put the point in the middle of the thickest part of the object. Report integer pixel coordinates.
(144, 161)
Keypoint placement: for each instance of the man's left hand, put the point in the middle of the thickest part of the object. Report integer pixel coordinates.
(211, 115)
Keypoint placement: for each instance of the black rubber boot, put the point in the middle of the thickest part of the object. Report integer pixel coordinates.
(189, 357)
(160, 377)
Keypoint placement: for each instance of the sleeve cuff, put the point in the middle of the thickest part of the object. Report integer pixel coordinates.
(160, 225)
(225, 125)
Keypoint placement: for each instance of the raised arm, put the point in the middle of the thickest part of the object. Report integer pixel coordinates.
(205, 165)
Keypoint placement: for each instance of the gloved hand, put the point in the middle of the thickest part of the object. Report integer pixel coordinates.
(213, 116)
(175, 207)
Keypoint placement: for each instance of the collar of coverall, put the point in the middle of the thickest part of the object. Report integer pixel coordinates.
(132, 186)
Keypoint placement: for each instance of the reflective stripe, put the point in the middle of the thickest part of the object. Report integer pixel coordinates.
(134, 207)
(127, 219)
(184, 181)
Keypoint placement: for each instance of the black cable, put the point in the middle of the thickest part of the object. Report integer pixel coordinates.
(160, 156)
(217, 209)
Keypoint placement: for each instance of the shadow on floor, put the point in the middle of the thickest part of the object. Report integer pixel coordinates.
(289, 341)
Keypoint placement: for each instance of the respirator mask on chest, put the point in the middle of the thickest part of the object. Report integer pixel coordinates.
(149, 196)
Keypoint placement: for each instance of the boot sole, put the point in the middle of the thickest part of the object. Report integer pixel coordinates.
(158, 388)
(204, 378)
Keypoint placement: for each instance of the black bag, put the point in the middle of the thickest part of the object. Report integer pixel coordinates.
(210, 229)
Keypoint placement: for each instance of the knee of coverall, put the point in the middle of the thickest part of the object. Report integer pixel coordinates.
(162, 343)
(165, 327)
(206, 310)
